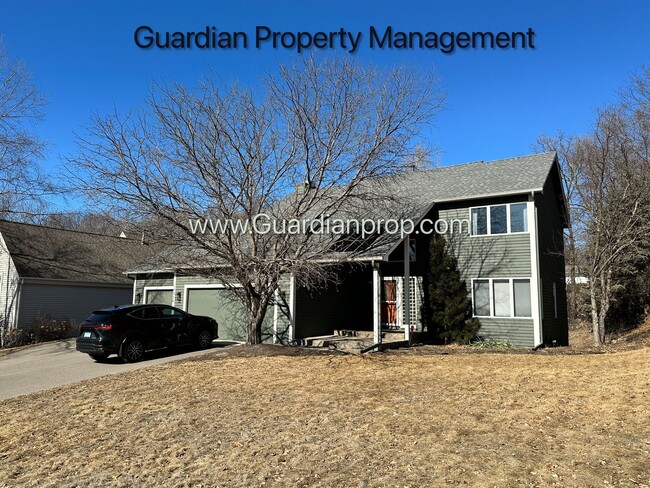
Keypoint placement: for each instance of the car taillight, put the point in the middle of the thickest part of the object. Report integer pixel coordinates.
(105, 326)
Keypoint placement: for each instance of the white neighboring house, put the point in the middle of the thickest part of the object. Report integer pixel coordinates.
(62, 274)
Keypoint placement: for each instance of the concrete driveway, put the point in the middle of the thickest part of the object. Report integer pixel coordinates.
(57, 363)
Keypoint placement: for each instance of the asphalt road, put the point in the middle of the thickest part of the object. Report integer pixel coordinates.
(53, 364)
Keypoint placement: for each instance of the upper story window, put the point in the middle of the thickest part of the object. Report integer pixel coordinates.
(508, 218)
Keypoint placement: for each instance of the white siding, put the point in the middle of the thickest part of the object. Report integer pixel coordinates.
(8, 286)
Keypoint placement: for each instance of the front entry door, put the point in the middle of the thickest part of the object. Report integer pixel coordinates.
(389, 308)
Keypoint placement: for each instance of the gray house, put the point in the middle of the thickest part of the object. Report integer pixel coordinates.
(62, 274)
(504, 221)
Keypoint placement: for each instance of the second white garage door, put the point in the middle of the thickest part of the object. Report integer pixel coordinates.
(222, 305)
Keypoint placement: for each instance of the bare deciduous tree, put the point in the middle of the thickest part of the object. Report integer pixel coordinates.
(607, 176)
(236, 153)
(92, 222)
(565, 147)
(20, 106)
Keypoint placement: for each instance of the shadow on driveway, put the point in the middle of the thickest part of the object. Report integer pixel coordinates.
(168, 352)
(53, 364)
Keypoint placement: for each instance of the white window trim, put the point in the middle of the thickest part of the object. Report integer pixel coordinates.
(489, 223)
(147, 289)
(512, 298)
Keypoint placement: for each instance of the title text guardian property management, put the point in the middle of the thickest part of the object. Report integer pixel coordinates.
(264, 37)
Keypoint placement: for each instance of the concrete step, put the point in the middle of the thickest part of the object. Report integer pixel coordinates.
(354, 333)
(392, 336)
(388, 336)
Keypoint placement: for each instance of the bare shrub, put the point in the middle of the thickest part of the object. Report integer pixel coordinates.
(47, 328)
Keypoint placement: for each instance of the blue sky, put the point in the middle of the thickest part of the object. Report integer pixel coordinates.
(83, 57)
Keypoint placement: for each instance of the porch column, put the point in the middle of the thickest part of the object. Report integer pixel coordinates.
(292, 308)
(376, 303)
(407, 288)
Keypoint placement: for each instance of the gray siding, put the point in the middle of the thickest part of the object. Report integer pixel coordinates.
(502, 256)
(141, 281)
(66, 301)
(551, 263)
(518, 332)
(493, 256)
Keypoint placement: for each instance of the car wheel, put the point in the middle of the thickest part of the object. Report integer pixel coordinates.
(99, 357)
(132, 351)
(204, 339)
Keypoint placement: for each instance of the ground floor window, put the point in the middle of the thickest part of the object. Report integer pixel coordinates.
(501, 297)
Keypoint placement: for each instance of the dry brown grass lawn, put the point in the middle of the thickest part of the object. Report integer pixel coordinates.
(329, 420)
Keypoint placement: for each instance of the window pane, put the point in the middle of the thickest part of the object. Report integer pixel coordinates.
(498, 222)
(522, 298)
(168, 312)
(482, 298)
(149, 313)
(412, 250)
(479, 221)
(501, 298)
(518, 218)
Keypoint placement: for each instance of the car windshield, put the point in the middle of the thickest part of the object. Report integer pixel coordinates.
(98, 317)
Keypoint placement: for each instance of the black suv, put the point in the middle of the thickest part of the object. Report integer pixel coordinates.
(130, 330)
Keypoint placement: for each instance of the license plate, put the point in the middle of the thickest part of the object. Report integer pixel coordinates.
(88, 334)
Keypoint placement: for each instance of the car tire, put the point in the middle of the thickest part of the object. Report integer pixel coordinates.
(99, 357)
(204, 339)
(132, 350)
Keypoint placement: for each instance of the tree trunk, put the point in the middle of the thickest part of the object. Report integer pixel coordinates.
(255, 321)
(595, 322)
(605, 278)
(254, 331)
(573, 289)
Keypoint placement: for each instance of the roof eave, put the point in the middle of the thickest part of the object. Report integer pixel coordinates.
(490, 195)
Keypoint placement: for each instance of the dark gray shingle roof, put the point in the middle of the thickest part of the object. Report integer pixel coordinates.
(46, 252)
(409, 196)
(481, 179)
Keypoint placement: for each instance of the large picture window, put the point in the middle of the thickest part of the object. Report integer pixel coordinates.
(509, 218)
(501, 297)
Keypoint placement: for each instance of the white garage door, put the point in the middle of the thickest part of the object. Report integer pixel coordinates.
(222, 305)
